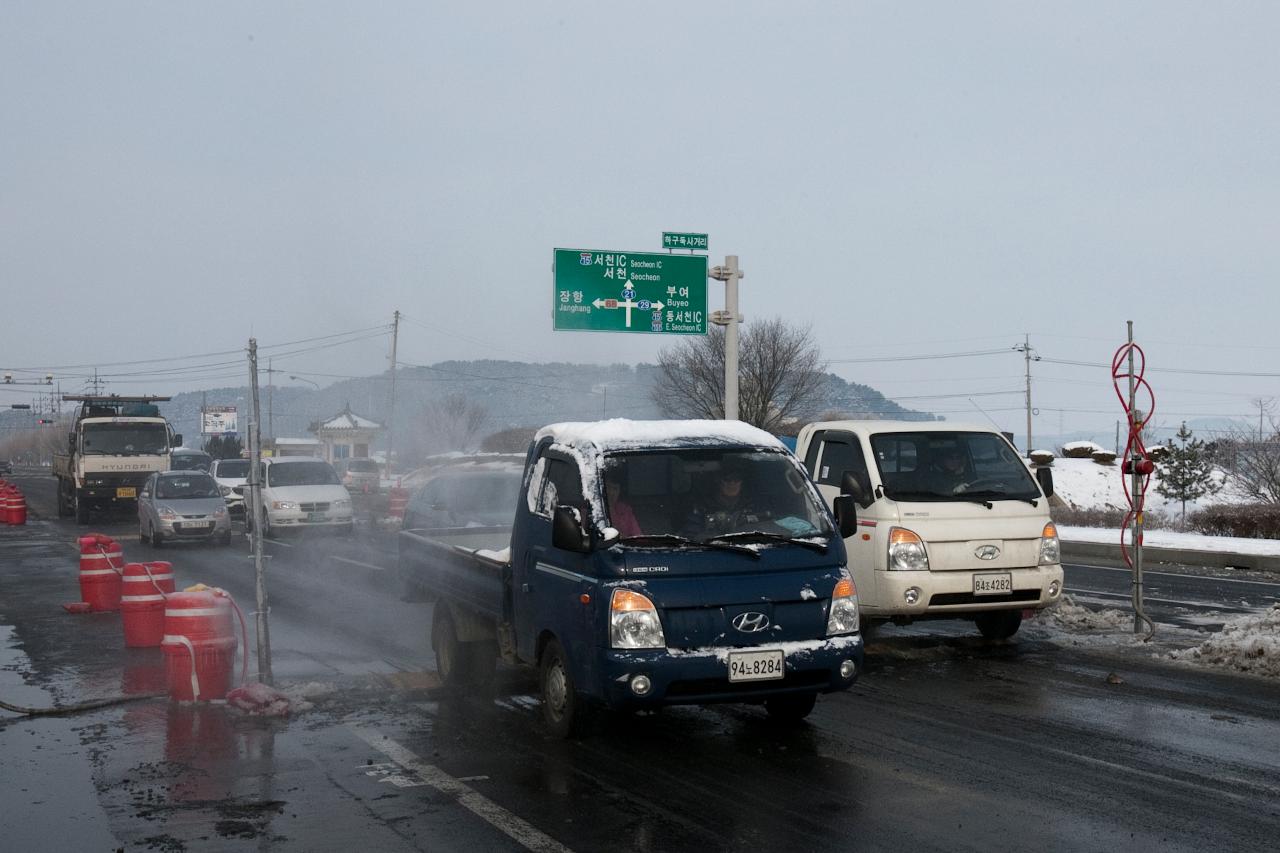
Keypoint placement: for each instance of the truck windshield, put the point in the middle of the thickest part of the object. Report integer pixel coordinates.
(125, 439)
(704, 493)
(316, 473)
(951, 466)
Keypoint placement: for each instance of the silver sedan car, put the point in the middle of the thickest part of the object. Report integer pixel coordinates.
(178, 506)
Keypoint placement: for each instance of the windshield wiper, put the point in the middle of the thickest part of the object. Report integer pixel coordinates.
(675, 539)
(775, 537)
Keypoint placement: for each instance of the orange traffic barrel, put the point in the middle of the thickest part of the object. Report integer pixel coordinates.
(142, 605)
(17, 508)
(398, 500)
(199, 645)
(99, 580)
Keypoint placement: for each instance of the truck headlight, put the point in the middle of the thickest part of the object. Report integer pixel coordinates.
(906, 551)
(634, 622)
(843, 618)
(1050, 547)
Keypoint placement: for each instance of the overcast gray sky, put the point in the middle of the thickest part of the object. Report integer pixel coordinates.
(911, 179)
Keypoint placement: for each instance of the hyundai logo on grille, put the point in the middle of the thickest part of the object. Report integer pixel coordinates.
(750, 623)
(987, 552)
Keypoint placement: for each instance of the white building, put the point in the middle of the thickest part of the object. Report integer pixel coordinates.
(347, 436)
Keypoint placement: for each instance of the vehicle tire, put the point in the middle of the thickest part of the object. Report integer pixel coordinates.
(225, 540)
(790, 707)
(156, 538)
(998, 624)
(562, 710)
(82, 511)
(451, 663)
(64, 505)
(143, 536)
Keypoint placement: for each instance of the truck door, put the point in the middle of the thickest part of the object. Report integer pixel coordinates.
(549, 583)
(830, 454)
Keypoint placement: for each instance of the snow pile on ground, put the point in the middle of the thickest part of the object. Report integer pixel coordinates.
(1247, 644)
(1170, 539)
(1070, 616)
(1084, 484)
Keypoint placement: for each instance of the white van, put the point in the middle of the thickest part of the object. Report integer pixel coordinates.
(951, 523)
(303, 493)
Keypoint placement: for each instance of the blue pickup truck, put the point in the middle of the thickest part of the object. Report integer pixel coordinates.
(650, 563)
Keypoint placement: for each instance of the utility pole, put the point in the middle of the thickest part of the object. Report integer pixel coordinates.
(1135, 490)
(729, 318)
(1025, 349)
(271, 395)
(391, 407)
(258, 516)
(204, 399)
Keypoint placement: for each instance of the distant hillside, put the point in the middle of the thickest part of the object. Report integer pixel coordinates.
(514, 394)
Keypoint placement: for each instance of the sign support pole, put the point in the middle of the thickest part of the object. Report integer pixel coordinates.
(731, 338)
(258, 517)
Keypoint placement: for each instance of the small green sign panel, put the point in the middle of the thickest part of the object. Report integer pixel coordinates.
(684, 240)
(609, 291)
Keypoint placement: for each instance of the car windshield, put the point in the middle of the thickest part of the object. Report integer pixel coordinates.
(473, 497)
(190, 462)
(705, 493)
(233, 469)
(302, 474)
(187, 486)
(125, 439)
(951, 466)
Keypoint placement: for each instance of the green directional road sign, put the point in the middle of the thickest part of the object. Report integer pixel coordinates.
(609, 291)
(684, 240)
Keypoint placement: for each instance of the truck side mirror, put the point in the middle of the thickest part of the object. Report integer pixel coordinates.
(177, 440)
(854, 486)
(71, 441)
(846, 515)
(567, 532)
(1045, 478)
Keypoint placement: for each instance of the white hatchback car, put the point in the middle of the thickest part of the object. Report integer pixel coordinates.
(303, 492)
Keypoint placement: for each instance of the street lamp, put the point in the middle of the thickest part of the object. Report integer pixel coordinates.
(308, 381)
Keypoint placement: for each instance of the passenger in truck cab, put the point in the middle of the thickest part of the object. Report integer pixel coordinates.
(621, 515)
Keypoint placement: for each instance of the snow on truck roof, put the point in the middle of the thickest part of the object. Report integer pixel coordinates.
(624, 434)
(905, 426)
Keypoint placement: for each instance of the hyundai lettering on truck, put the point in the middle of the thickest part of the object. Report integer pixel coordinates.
(951, 524)
(115, 444)
(649, 563)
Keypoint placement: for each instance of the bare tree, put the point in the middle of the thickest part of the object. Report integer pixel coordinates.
(1253, 465)
(780, 374)
(448, 423)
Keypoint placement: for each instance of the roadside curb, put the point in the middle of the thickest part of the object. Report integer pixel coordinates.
(1214, 559)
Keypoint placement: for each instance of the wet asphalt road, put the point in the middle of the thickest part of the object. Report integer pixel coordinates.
(947, 742)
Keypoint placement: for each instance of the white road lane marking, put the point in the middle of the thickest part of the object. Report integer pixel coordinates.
(358, 563)
(1149, 573)
(509, 824)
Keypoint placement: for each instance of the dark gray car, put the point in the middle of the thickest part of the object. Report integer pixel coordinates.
(182, 506)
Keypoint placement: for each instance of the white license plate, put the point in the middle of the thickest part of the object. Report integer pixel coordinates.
(993, 584)
(756, 666)
(317, 516)
(193, 525)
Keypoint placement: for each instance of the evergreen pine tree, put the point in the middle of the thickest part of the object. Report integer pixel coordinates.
(223, 446)
(1186, 474)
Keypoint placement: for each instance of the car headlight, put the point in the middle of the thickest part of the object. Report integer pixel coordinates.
(634, 622)
(1050, 547)
(220, 512)
(341, 503)
(843, 618)
(226, 490)
(166, 513)
(287, 505)
(906, 551)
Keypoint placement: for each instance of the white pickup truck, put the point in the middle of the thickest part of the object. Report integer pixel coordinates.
(951, 523)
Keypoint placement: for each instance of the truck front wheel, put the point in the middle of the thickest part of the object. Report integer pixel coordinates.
(82, 510)
(998, 624)
(562, 710)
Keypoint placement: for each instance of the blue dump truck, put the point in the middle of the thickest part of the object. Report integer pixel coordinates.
(649, 563)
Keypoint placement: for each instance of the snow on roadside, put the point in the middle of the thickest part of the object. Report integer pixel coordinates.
(1248, 643)
(1170, 539)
